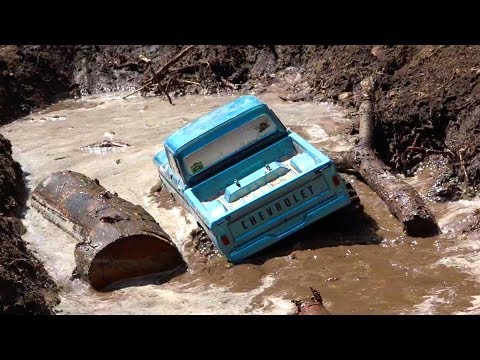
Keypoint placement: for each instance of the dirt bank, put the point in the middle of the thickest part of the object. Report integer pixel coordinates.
(11, 183)
(32, 77)
(25, 286)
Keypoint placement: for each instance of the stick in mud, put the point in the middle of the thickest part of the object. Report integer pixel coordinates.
(117, 240)
(401, 199)
(311, 306)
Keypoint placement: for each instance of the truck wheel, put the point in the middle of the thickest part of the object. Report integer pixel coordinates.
(202, 242)
(355, 205)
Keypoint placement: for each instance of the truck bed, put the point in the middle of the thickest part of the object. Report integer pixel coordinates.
(255, 194)
(257, 176)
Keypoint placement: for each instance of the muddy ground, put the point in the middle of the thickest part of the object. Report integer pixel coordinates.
(427, 98)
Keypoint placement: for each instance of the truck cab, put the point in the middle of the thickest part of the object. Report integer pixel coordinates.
(248, 180)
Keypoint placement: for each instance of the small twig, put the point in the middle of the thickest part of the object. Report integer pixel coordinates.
(150, 68)
(162, 89)
(416, 139)
(463, 165)
(166, 90)
(451, 153)
(180, 55)
(466, 106)
(169, 81)
(324, 84)
(428, 151)
(189, 82)
(274, 51)
(144, 58)
(38, 58)
(228, 83)
(316, 296)
(139, 89)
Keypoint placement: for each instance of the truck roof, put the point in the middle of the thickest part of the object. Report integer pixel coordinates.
(211, 120)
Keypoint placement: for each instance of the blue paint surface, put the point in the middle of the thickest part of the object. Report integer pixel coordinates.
(254, 181)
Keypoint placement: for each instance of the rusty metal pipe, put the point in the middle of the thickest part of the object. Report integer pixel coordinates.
(116, 239)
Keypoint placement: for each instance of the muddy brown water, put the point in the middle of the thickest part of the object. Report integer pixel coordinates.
(360, 264)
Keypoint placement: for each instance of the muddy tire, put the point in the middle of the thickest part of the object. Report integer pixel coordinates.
(355, 206)
(202, 242)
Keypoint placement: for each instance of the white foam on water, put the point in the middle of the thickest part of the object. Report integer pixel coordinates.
(52, 245)
(315, 132)
(429, 305)
(464, 253)
(457, 212)
(165, 299)
(472, 310)
(433, 302)
(466, 262)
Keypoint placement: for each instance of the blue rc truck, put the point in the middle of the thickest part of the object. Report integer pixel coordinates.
(248, 180)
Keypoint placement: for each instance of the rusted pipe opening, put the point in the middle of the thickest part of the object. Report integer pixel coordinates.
(116, 239)
(129, 257)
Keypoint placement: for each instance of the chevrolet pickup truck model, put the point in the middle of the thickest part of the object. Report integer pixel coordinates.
(247, 179)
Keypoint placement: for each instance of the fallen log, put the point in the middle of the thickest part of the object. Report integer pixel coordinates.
(116, 239)
(401, 199)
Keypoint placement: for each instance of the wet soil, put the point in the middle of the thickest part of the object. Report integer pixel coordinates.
(25, 286)
(11, 182)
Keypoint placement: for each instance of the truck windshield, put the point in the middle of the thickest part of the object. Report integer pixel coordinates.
(229, 144)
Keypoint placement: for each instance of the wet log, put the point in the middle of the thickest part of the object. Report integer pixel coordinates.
(401, 199)
(117, 240)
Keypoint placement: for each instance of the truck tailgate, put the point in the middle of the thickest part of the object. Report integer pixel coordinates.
(279, 207)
